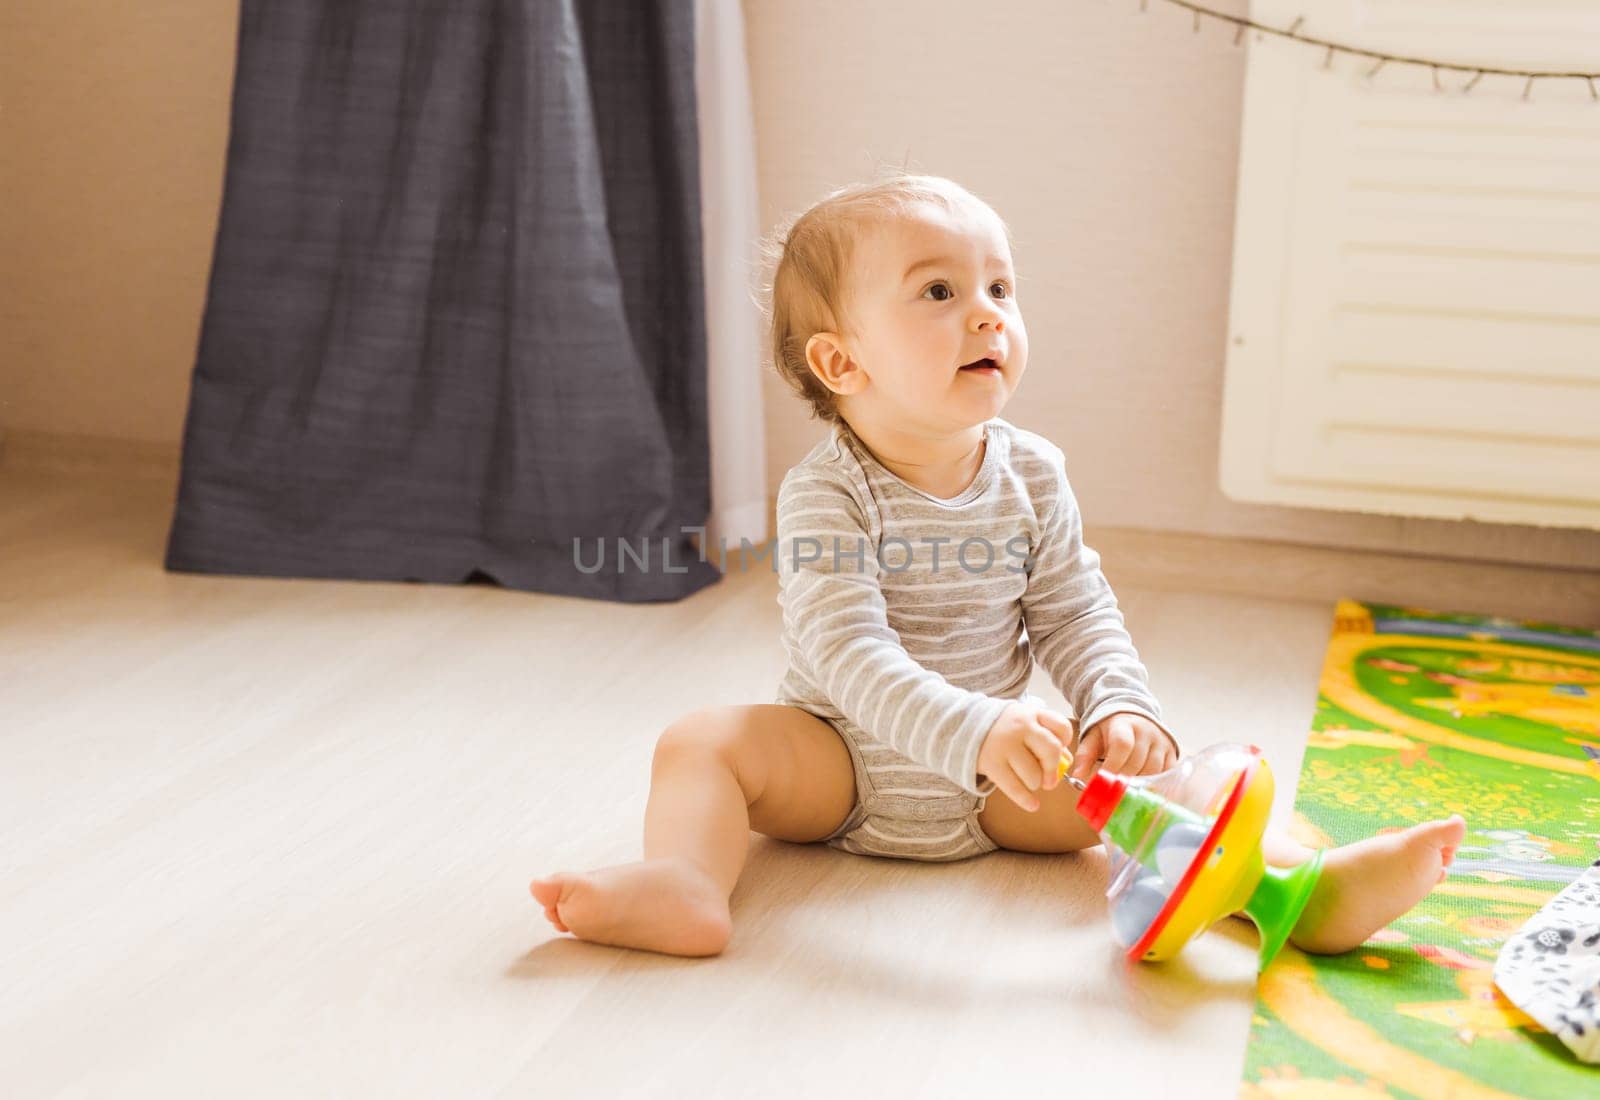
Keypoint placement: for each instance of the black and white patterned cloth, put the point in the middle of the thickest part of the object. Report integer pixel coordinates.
(1551, 967)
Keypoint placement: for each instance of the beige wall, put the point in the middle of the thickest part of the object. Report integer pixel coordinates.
(1108, 139)
(113, 133)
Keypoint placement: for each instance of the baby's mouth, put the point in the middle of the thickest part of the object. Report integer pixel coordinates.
(982, 364)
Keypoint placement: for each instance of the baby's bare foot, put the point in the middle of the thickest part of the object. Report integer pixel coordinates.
(666, 905)
(1367, 884)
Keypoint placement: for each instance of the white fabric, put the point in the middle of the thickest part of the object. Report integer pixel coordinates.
(1551, 968)
(730, 234)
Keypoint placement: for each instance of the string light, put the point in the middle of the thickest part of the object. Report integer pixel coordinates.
(1380, 59)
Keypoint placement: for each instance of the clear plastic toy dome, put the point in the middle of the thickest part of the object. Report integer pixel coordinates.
(1155, 826)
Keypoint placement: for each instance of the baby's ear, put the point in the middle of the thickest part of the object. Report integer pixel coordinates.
(831, 363)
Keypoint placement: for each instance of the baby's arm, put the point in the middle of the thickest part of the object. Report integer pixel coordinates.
(836, 611)
(1074, 624)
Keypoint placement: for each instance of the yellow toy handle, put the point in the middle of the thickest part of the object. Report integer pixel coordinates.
(1066, 765)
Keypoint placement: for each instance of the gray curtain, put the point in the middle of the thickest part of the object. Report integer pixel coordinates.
(455, 318)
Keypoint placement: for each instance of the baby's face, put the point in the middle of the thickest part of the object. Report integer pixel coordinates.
(930, 292)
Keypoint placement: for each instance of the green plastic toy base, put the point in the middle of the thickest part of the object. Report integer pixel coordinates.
(1278, 901)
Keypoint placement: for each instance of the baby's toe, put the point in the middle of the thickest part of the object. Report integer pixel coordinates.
(546, 891)
(1449, 833)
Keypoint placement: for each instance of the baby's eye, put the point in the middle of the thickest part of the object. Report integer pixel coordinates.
(945, 287)
(1005, 290)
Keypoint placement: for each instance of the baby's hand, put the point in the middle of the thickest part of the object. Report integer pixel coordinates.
(1130, 743)
(1022, 751)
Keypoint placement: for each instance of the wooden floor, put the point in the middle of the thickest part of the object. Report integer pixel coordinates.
(266, 837)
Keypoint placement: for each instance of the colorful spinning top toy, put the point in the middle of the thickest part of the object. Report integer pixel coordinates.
(1185, 848)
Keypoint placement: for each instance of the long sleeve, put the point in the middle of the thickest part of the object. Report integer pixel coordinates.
(836, 619)
(1074, 624)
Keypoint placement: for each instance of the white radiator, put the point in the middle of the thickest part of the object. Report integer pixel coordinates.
(1415, 312)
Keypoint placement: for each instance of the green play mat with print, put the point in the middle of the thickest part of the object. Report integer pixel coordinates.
(1420, 715)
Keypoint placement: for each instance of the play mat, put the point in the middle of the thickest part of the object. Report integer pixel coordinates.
(1420, 715)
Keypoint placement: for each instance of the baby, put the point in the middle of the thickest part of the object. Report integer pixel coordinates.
(928, 553)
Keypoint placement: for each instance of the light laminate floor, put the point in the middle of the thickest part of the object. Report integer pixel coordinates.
(266, 837)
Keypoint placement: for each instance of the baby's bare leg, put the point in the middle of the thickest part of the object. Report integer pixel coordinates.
(716, 774)
(1366, 884)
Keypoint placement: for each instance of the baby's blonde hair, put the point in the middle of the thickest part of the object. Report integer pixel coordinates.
(810, 257)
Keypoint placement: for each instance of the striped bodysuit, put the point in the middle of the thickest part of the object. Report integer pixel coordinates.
(911, 621)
